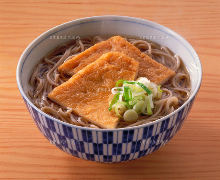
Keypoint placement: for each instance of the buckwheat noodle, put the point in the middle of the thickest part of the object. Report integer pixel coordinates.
(45, 77)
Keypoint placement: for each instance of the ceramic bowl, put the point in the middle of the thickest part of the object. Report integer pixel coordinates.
(104, 145)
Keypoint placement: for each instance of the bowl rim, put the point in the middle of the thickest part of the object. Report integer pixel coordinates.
(104, 18)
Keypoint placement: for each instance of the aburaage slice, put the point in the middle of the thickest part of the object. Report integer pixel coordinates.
(87, 92)
(149, 68)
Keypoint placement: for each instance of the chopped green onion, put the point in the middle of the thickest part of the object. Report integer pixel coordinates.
(140, 84)
(127, 93)
(121, 81)
(144, 87)
(114, 100)
(149, 110)
(129, 82)
(134, 97)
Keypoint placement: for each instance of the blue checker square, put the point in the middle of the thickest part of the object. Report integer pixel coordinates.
(153, 141)
(138, 145)
(77, 145)
(47, 133)
(84, 135)
(98, 149)
(81, 143)
(110, 137)
(125, 136)
(125, 157)
(95, 148)
(67, 131)
(90, 157)
(62, 140)
(135, 146)
(145, 131)
(107, 158)
(36, 117)
(50, 124)
(164, 125)
(89, 136)
(130, 135)
(148, 132)
(105, 137)
(117, 149)
(167, 134)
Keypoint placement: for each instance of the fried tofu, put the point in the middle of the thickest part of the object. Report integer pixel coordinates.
(148, 68)
(88, 91)
(86, 57)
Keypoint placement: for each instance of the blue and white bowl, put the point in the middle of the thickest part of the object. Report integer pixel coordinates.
(103, 145)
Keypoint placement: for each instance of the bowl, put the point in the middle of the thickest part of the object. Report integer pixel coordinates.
(104, 145)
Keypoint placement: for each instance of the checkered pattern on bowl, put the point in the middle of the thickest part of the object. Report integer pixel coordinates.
(107, 145)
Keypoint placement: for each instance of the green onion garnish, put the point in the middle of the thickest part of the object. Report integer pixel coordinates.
(127, 93)
(130, 95)
(114, 100)
(144, 87)
(129, 82)
(138, 83)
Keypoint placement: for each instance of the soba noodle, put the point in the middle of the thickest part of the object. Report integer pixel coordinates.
(45, 77)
